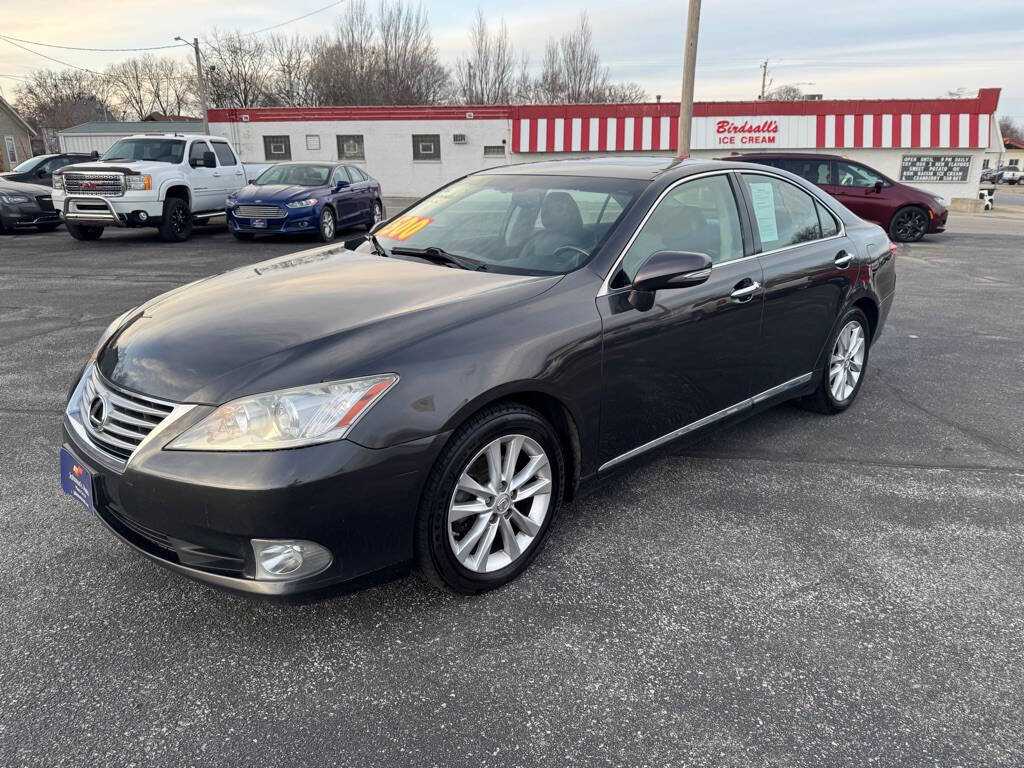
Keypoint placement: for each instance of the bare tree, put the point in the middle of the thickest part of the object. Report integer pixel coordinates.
(1011, 129)
(784, 93)
(58, 99)
(291, 59)
(626, 93)
(129, 85)
(488, 75)
(172, 84)
(238, 68)
(343, 69)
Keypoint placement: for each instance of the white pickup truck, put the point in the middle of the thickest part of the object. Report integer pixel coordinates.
(164, 180)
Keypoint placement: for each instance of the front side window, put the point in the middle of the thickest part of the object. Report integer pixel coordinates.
(698, 216)
(853, 175)
(224, 153)
(814, 170)
(299, 174)
(195, 154)
(276, 148)
(783, 213)
(426, 146)
(516, 223)
(153, 150)
(351, 147)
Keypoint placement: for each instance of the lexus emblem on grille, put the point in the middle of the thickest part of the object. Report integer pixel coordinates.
(98, 412)
(88, 185)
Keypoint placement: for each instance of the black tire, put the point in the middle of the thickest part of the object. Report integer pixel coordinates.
(435, 560)
(909, 224)
(85, 231)
(328, 227)
(376, 214)
(176, 221)
(47, 227)
(823, 400)
(243, 235)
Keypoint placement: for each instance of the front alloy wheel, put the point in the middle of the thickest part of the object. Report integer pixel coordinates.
(909, 225)
(327, 226)
(499, 504)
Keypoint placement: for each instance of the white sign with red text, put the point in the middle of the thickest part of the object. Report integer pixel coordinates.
(754, 132)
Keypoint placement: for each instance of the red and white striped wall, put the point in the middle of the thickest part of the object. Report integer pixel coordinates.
(926, 124)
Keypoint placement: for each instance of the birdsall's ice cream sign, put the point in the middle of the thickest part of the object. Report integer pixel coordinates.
(754, 132)
(731, 133)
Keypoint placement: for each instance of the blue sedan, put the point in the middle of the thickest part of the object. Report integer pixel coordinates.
(305, 198)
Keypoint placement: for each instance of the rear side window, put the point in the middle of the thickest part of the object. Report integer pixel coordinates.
(224, 153)
(829, 225)
(814, 170)
(783, 213)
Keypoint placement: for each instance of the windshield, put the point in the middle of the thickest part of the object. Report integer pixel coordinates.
(302, 175)
(516, 223)
(29, 164)
(156, 150)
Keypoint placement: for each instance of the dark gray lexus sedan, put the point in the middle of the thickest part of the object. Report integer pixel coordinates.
(429, 401)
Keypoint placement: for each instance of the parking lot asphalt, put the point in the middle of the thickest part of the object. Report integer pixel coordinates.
(798, 590)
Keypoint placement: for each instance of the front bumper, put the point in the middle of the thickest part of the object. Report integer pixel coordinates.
(937, 221)
(297, 221)
(27, 215)
(196, 512)
(95, 209)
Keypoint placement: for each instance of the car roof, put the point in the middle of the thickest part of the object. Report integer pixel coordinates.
(798, 155)
(643, 168)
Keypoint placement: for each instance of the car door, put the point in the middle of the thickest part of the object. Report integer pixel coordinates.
(687, 361)
(207, 190)
(232, 174)
(344, 196)
(855, 187)
(808, 266)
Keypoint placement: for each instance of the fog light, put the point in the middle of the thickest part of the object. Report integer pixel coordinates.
(288, 559)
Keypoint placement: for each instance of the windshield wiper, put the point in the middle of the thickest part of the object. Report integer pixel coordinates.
(441, 256)
(377, 247)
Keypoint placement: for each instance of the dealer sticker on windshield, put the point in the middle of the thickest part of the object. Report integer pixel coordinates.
(404, 227)
(75, 479)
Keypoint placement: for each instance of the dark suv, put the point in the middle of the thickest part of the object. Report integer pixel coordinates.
(906, 213)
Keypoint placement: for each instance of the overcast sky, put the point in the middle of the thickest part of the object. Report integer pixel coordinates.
(850, 49)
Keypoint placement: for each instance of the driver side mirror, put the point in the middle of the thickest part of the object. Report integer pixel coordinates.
(667, 269)
(340, 185)
(41, 174)
(878, 185)
(94, 155)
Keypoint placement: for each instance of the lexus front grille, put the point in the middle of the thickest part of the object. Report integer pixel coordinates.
(260, 212)
(116, 422)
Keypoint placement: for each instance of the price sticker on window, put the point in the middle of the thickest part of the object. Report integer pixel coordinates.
(404, 227)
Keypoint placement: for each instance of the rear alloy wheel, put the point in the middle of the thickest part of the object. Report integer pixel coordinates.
(85, 231)
(489, 503)
(327, 226)
(844, 367)
(908, 225)
(377, 215)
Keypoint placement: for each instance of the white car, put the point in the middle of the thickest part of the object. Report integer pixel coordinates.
(1009, 174)
(163, 180)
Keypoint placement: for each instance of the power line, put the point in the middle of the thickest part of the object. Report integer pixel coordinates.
(297, 18)
(96, 50)
(9, 41)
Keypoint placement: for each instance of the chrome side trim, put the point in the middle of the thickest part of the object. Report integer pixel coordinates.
(708, 420)
(768, 394)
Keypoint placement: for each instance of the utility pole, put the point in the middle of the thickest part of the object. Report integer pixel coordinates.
(689, 65)
(764, 79)
(199, 79)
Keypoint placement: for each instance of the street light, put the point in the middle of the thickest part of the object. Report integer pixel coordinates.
(200, 80)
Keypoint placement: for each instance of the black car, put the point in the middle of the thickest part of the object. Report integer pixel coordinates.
(39, 169)
(26, 206)
(430, 400)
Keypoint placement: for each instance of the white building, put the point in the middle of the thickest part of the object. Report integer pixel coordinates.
(935, 144)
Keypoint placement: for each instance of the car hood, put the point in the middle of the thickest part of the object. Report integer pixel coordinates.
(266, 193)
(7, 185)
(316, 316)
(117, 166)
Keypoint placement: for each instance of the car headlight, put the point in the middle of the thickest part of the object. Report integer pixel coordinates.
(15, 198)
(136, 183)
(302, 203)
(288, 418)
(940, 200)
(58, 181)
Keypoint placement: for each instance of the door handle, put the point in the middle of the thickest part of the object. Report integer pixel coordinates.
(216, 173)
(843, 259)
(746, 293)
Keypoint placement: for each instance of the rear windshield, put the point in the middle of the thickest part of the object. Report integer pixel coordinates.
(153, 150)
(517, 223)
(302, 175)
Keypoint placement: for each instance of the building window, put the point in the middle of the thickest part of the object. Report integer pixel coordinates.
(277, 148)
(1015, 162)
(494, 150)
(312, 142)
(351, 147)
(984, 164)
(426, 146)
(12, 156)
